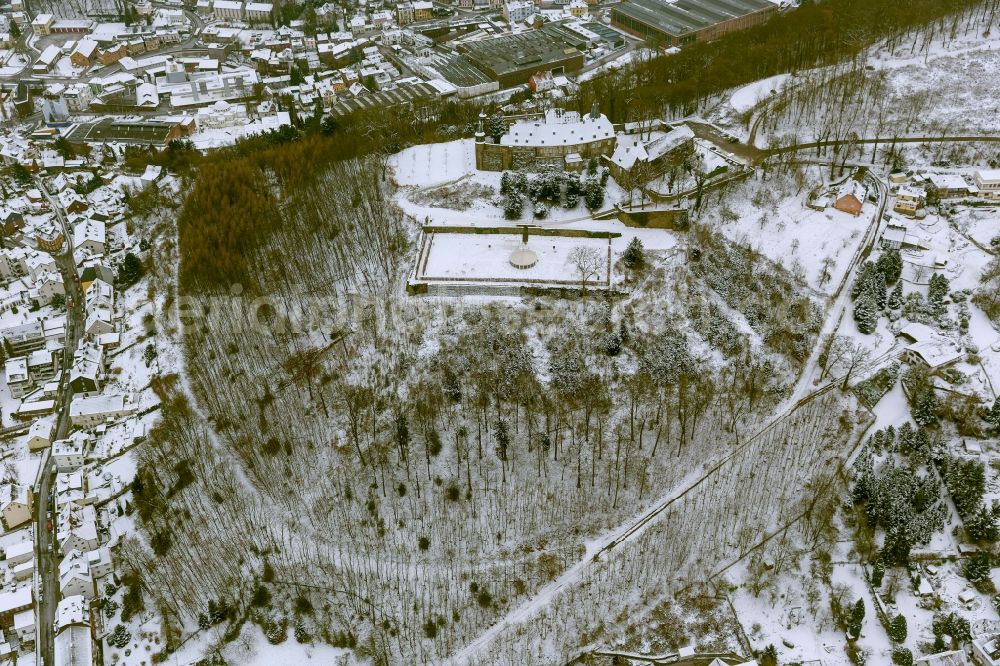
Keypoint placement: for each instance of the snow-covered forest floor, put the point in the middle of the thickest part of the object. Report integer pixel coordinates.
(343, 469)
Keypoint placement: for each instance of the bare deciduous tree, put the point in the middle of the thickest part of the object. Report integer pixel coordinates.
(588, 263)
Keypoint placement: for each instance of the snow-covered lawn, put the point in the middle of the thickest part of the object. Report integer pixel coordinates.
(434, 164)
(817, 245)
(486, 257)
(749, 96)
(980, 224)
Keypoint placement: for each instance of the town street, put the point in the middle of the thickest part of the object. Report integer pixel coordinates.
(47, 570)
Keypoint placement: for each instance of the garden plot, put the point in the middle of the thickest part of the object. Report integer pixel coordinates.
(978, 224)
(462, 257)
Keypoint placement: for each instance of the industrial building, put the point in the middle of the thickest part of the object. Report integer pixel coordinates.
(403, 94)
(689, 21)
(456, 70)
(512, 59)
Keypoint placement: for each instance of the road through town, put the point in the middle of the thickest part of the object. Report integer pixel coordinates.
(47, 567)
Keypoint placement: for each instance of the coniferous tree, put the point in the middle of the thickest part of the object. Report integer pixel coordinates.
(895, 301)
(513, 206)
(937, 292)
(634, 254)
(856, 620)
(497, 127)
(890, 265)
(897, 628)
(993, 416)
(866, 313)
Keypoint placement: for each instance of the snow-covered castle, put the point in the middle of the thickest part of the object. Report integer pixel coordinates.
(564, 139)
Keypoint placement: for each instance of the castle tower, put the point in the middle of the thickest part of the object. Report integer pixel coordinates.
(481, 129)
(481, 141)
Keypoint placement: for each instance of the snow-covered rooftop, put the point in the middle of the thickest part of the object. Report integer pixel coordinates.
(560, 128)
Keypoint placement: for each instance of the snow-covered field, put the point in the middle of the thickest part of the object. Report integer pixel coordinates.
(749, 96)
(817, 246)
(486, 257)
(434, 164)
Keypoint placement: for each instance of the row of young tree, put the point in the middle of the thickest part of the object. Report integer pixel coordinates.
(551, 186)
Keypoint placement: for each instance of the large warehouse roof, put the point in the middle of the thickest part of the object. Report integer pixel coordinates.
(685, 16)
(535, 48)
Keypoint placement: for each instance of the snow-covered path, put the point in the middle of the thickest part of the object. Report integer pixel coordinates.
(598, 548)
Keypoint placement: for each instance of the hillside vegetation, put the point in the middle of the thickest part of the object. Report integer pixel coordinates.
(343, 463)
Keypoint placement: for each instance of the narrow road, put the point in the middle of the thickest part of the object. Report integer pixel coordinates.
(47, 568)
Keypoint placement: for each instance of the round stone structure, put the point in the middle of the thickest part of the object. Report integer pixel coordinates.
(523, 258)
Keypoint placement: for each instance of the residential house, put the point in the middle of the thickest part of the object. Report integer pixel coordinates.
(988, 182)
(24, 571)
(928, 348)
(41, 365)
(850, 197)
(85, 53)
(112, 54)
(15, 505)
(950, 658)
(633, 155)
(909, 199)
(948, 185)
(12, 262)
(72, 202)
(30, 410)
(100, 562)
(49, 238)
(47, 287)
(42, 24)
(893, 236)
(90, 236)
(68, 454)
(986, 649)
(515, 11)
(40, 434)
(71, 611)
(18, 380)
(73, 645)
(74, 576)
(423, 10)
(404, 13)
(13, 602)
(69, 489)
(88, 366)
(47, 60)
(257, 13)
(228, 10)
(93, 411)
(20, 552)
(99, 305)
(579, 9)
(38, 263)
(77, 528)
(24, 626)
